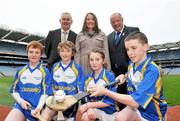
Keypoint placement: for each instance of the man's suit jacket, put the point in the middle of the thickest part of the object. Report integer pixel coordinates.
(118, 55)
(51, 42)
(119, 58)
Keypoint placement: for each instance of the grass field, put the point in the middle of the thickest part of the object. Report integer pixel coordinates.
(170, 84)
(5, 97)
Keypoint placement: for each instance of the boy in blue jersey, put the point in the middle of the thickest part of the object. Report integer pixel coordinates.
(101, 107)
(31, 86)
(67, 76)
(145, 101)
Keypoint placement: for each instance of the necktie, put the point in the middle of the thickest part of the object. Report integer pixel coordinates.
(64, 36)
(117, 38)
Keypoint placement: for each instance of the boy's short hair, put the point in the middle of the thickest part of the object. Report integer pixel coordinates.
(66, 44)
(141, 37)
(100, 51)
(35, 44)
(97, 50)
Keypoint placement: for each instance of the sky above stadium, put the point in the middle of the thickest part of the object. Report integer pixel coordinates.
(158, 19)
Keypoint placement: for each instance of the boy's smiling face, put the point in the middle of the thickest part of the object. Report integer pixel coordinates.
(66, 54)
(136, 50)
(34, 55)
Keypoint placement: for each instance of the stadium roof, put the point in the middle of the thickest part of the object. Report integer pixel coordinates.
(19, 36)
(165, 46)
(22, 36)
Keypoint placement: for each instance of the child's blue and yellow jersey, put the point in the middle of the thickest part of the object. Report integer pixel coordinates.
(145, 87)
(32, 83)
(105, 77)
(69, 78)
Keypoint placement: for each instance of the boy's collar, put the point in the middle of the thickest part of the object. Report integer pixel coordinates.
(142, 63)
(68, 65)
(33, 68)
(100, 74)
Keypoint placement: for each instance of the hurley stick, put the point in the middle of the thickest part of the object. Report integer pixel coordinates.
(38, 115)
(70, 100)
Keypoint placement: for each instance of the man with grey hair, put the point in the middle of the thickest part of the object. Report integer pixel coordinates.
(54, 37)
(118, 55)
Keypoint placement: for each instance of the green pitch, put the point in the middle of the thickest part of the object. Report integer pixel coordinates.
(171, 86)
(5, 97)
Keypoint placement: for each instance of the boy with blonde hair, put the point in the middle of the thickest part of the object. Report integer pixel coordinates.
(67, 76)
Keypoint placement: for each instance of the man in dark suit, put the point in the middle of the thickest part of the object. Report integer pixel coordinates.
(118, 55)
(56, 36)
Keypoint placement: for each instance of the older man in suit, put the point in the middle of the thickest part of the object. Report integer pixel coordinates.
(118, 55)
(54, 37)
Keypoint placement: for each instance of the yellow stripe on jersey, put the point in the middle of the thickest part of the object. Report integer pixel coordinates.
(107, 82)
(56, 67)
(14, 87)
(74, 69)
(158, 83)
(158, 87)
(129, 67)
(156, 104)
(105, 78)
(90, 78)
(147, 102)
(144, 69)
(76, 72)
(43, 80)
(87, 82)
(19, 73)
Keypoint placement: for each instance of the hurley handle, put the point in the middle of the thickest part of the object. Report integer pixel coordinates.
(115, 82)
(111, 84)
(39, 116)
